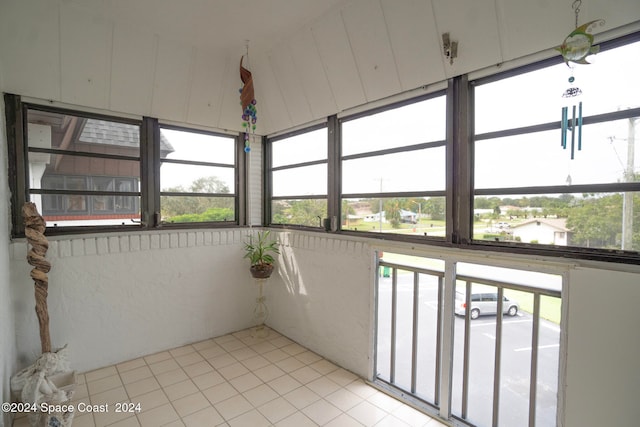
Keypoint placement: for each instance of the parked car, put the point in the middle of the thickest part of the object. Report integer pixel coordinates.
(485, 303)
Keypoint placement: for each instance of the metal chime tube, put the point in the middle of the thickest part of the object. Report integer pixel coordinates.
(563, 140)
(573, 131)
(580, 126)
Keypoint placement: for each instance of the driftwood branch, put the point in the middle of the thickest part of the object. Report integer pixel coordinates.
(34, 231)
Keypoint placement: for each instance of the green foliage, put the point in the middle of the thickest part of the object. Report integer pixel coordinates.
(186, 208)
(307, 212)
(210, 215)
(259, 250)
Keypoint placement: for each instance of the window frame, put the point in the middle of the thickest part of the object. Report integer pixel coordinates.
(16, 117)
(598, 254)
(269, 169)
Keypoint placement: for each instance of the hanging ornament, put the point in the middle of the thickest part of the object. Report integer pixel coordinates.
(248, 102)
(574, 49)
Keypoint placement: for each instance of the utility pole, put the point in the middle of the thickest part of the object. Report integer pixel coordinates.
(627, 203)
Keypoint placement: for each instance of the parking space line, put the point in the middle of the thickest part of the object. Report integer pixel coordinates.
(540, 347)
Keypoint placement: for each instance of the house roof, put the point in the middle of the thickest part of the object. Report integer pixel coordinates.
(119, 134)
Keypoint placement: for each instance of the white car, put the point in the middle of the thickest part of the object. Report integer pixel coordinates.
(485, 303)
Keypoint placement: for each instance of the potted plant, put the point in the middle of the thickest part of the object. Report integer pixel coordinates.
(259, 251)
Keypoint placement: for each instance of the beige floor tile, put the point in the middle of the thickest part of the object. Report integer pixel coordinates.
(176, 423)
(289, 364)
(269, 372)
(219, 393)
(302, 397)
(344, 399)
(190, 404)
(411, 416)
(189, 359)
(157, 357)
(158, 416)
(202, 345)
(263, 347)
(293, 349)
(277, 409)
(80, 392)
(367, 413)
(207, 417)
(102, 419)
(110, 396)
(260, 395)
(255, 362)
(198, 368)
(343, 420)
(233, 407)
(281, 341)
(104, 384)
(222, 361)
(252, 418)
(127, 422)
(392, 421)
(321, 412)
(212, 352)
(361, 389)
(275, 355)
(323, 366)
(136, 374)
(245, 382)
(164, 366)
(181, 389)
(100, 373)
(142, 387)
(305, 374)
(243, 353)
(171, 377)
(82, 420)
(342, 377)
(284, 384)
(296, 420)
(151, 400)
(181, 351)
(232, 371)
(230, 346)
(323, 386)
(207, 380)
(308, 357)
(384, 401)
(131, 364)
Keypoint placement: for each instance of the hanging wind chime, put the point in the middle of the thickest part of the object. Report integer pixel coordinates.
(248, 102)
(574, 49)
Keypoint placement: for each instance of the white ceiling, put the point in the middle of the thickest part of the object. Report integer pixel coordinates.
(178, 59)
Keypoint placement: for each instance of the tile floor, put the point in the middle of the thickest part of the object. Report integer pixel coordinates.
(237, 380)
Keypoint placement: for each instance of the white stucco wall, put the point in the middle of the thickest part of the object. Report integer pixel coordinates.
(113, 298)
(322, 297)
(603, 361)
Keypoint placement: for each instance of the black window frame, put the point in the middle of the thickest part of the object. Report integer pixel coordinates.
(149, 160)
(460, 192)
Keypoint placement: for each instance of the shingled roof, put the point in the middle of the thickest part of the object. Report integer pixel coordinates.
(120, 134)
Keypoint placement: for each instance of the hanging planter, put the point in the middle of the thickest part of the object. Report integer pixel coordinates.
(259, 252)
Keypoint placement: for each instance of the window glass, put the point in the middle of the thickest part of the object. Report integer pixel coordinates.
(388, 160)
(416, 123)
(69, 156)
(536, 97)
(293, 179)
(197, 177)
(305, 147)
(575, 185)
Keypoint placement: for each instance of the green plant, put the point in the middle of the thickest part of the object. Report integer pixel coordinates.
(260, 252)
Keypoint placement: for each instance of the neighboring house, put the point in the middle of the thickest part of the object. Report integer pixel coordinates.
(59, 167)
(408, 217)
(548, 231)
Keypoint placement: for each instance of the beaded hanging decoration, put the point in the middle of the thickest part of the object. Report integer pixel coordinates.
(248, 102)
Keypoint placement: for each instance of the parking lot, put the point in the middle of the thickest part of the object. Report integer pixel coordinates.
(515, 356)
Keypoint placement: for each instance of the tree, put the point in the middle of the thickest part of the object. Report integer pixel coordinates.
(392, 212)
(595, 222)
(175, 206)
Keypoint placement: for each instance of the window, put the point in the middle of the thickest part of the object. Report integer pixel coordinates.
(89, 172)
(299, 178)
(393, 168)
(569, 181)
(83, 171)
(197, 177)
